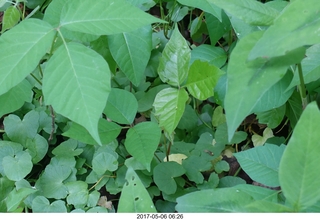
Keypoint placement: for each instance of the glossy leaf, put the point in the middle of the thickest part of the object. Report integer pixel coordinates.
(24, 46)
(108, 131)
(131, 51)
(251, 11)
(262, 163)
(213, 55)
(104, 17)
(169, 106)
(15, 97)
(164, 173)
(301, 158)
(83, 86)
(209, 201)
(18, 167)
(174, 62)
(202, 79)
(117, 108)
(256, 79)
(142, 141)
(134, 197)
(304, 27)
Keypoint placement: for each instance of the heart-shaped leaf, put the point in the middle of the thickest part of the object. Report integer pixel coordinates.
(17, 167)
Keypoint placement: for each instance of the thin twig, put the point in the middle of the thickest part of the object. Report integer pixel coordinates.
(52, 123)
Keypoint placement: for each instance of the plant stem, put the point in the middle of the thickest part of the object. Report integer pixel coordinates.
(302, 88)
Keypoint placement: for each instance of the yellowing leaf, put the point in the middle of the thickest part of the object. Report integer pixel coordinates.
(176, 157)
(261, 140)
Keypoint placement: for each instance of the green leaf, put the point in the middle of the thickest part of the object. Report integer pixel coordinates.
(215, 56)
(37, 147)
(273, 117)
(304, 28)
(10, 18)
(164, 174)
(251, 11)
(25, 44)
(209, 201)
(108, 131)
(218, 117)
(202, 79)
(19, 131)
(230, 181)
(169, 106)
(51, 181)
(294, 108)
(255, 79)
(258, 192)
(142, 141)
(194, 165)
(301, 159)
(104, 160)
(15, 97)
(8, 148)
(83, 88)
(221, 166)
(146, 101)
(260, 206)
(17, 167)
(216, 27)
(121, 106)
(67, 148)
(262, 163)
(16, 196)
(42, 205)
(174, 62)
(78, 193)
(131, 51)
(204, 5)
(310, 67)
(134, 197)
(104, 17)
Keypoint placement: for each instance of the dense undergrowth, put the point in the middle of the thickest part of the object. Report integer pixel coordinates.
(159, 106)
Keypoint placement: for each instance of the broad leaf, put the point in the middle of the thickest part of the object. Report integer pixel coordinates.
(131, 51)
(202, 79)
(78, 193)
(42, 205)
(51, 183)
(15, 97)
(108, 131)
(16, 196)
(251, 11)
(67, 148)
(164, 173)
(121, 106)
(258, 140)
(209, 201)
(213, 55)
(273, 117)
(76, 83)
(255, 80)
(103, 17)
(174, 62)
(104, 160)
(262, 163)
(169, 106)
(304, 28)
(194, 165)
(22, 48)
(18, 167)
(217, 28)
(142, 141)
(134, 197)
(301, 159)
